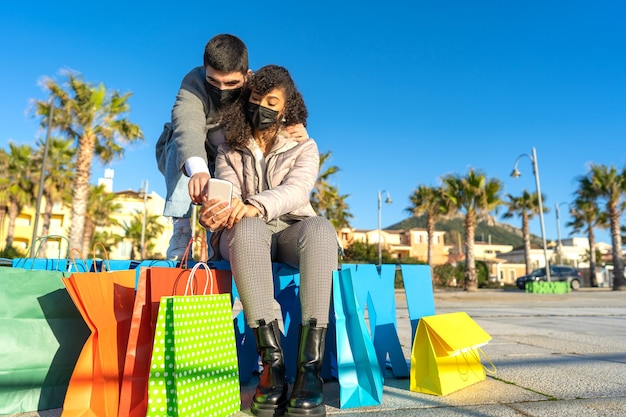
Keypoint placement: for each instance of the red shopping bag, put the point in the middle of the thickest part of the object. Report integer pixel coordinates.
(154, 282)
(105, 300)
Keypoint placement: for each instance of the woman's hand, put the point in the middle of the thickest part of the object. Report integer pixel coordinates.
(239, 211)
(214, 214)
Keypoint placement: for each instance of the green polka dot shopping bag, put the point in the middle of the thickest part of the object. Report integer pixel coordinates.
(194, 370)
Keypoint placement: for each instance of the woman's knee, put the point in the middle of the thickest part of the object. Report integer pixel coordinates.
(320, 228)
(248, 232)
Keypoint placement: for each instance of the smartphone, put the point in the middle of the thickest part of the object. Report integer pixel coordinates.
(220, 189)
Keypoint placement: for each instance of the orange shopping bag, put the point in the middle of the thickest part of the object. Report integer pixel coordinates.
(105, 300)
(154, 282)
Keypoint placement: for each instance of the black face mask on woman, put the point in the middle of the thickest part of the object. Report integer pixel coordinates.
(260, 117)
(222, 98)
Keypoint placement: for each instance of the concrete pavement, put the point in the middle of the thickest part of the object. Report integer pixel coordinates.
(556, 355)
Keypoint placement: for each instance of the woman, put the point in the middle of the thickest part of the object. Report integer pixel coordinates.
(271, 219)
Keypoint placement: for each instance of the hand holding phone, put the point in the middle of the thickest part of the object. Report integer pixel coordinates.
(220, 189)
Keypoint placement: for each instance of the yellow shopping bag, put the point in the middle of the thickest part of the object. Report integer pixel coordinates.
(445, 355)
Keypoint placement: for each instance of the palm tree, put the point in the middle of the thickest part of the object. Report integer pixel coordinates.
(58, 178)
(525, 206)
(107, 239)
(610, 185)
(133, 231)
(101, 205)
(476, 196)
(93, 117)
(586, 216)
(431, 202)
(4, 187)
(325, 198)
(20, 190)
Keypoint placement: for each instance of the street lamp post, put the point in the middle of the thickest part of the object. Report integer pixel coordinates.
(42, 177)
(516, 173)
(380, 217)
(559, 246)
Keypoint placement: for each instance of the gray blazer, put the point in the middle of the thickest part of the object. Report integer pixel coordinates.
(195, 128)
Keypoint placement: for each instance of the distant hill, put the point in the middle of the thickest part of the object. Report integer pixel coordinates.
(491, 231)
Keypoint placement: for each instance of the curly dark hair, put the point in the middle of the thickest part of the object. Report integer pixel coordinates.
(238, 130)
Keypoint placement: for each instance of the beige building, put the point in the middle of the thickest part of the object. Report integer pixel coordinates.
(400, 244)
(131, 202)
(573, 251)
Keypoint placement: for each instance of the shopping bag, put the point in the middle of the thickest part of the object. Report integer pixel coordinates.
(359, 374)
(193, 370)
(446, 354)
(154, 282)
(41, 336)
(105, 300)
(64, 262)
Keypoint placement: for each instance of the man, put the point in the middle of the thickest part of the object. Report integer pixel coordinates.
(187, 147)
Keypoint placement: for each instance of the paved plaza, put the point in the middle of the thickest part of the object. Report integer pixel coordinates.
(556, 355)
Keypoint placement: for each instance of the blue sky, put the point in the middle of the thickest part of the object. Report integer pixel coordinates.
(401, 92)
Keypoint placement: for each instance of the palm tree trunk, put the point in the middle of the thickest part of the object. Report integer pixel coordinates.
(13, 213)
(471, 281)
(87, 235)
(618, 263)
(592, 258)
(3, 212)
(430, 230)
(80, 192)
(526, 237)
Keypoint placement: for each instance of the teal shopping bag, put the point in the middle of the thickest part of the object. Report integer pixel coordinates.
(194, 370)
(359, 374)
(41, 336)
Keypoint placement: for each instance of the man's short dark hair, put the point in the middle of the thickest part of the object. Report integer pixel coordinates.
(226, 53)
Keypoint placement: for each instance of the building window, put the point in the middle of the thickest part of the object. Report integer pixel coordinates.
(22, 221)
(125, 248)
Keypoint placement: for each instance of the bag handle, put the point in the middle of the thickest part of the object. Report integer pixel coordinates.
(73, 259)
(493, 369)
(104, 258)
(39, 241)
(476, 352)
(209, 277)
(188, 252)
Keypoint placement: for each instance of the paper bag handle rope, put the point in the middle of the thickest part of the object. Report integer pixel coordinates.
(204, 251)
(105, 257)
(493, 369)
(476, 353)
(39, 241)
(209, 277)
(73, 258)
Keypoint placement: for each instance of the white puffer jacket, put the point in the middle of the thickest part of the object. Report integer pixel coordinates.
(290, 174)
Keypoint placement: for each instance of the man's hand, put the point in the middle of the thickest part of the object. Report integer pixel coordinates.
(197, 187)
(297, 132)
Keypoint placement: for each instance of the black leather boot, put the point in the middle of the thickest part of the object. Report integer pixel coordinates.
(270, 398)
(307, 397)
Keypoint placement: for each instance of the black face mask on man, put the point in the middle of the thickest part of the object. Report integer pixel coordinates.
(222, 98)
(260, 117)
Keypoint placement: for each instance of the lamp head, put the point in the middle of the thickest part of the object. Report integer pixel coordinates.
(516, 173)
(388, 200)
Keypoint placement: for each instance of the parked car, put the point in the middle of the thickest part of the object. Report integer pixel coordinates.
(557, 273)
